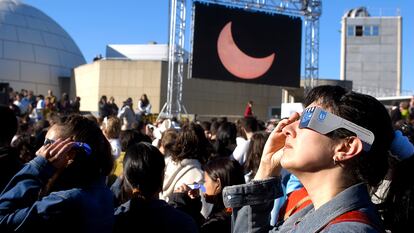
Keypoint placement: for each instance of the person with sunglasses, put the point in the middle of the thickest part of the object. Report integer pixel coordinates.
(63, 189)
(338, 148)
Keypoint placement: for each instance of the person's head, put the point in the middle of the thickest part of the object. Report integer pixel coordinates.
(249, 124)
(9, 125)
(111, 100)
(144, 100)
(128, 102)
(168, 140)
(111, 127)
(144, 97)
(404, 105)
(65, 96)
(190, 144)
(144, 169)
(86, 167)
(213, 129)
(103, 99)
(254, 152)
(308, 151)
(130, 137)
(225, 139)
(206, 127)
(24, 145)
(219, 173)
(250, 103)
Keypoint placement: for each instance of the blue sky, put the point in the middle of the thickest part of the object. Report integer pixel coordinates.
(95, 23)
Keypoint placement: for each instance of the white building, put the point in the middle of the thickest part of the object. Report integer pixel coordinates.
(371, 52)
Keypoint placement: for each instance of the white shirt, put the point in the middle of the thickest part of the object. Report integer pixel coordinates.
(240, 152)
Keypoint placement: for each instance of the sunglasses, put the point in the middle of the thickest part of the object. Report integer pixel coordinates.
(80, 145)
(324, 122)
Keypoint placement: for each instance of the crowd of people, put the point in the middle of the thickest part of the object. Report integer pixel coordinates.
(343, 165)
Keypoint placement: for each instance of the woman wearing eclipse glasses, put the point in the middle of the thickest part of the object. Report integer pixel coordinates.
(338, 148)
(63, 189)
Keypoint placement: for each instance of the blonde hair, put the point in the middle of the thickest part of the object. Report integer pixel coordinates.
(112, 127)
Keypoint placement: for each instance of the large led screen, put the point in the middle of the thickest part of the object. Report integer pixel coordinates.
(232, 44)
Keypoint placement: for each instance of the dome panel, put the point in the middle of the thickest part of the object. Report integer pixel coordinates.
(18, 51)
(9, 69)
(29, 11)
(36, 24)
(46, 56)
(8, 32)
(30, 70)
(29, 36)
(70, 45)
(13, 19)
(52, 40)
(53, 28)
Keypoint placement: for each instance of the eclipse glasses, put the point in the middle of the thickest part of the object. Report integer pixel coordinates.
(80, 145)
(324, 122)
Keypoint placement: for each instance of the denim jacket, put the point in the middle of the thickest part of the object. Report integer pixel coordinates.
(87, 209)
(253, 202)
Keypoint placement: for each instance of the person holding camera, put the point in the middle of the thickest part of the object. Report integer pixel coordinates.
(63, 189)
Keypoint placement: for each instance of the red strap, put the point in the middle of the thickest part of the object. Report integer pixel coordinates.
(355, 216)
(352, 216)
(296, 201)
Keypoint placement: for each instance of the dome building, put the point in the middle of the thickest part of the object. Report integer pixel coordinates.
(35, 52)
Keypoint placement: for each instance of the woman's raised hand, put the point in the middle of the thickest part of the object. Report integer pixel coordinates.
(273, 150)
(58, 153)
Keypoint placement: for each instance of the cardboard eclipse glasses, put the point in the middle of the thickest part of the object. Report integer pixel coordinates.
(81, 145)
(324, 122)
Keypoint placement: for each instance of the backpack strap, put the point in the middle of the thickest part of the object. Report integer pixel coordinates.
(296, 201)
(355, 216)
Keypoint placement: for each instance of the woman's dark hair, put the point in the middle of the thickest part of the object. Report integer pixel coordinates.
(225, 140)
(229, 171)
(366, 111)
(143, 171)
(25, 146)
(131, 136)
(168, 140)
(144, 168)
(191, 143)
(254, 152)
(398, 207)
(144, 100)
(85, 169)
(103, 98)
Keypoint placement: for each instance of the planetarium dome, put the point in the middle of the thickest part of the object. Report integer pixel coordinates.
(35, 52)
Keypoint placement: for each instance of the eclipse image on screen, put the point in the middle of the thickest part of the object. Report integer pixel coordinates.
(232, 44)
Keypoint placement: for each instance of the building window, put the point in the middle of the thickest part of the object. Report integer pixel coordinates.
(358, 30)
(375, 30)
(366, 30)
(351, 31)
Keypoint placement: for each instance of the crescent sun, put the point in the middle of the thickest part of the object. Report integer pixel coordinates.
(236, 61)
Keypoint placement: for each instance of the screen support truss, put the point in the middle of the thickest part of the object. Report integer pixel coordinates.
(309, 9)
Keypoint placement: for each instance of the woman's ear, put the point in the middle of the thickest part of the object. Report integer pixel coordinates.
(218, 187)
(348, 148)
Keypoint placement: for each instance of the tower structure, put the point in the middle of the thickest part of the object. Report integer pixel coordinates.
(371, 52)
